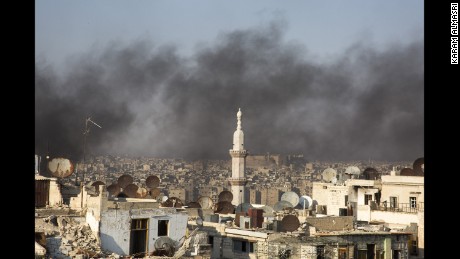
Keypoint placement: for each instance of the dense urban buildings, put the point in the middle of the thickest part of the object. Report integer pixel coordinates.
(249, 206)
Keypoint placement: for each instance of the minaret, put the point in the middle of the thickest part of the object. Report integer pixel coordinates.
(238, 153)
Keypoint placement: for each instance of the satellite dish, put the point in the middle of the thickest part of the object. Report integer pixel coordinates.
(226, 196)
(419, 166)
(122, 195)
(290, 223)
(152, 181)
(407, 172)
(199, 222)
(371, 173)
(352, 170)
(124, 180)
(205, 202)
(131, 190)
(194, 204)
(334, 180)
(154, 193)
(268, 211)
(141, 193)
(307, 200)
(164, 198)
(172, 202)
(328, 174)
(60, 167)
(224, 207)
(114, 189)
(244, 207)
(159, 243)
(291, 197)
(281, 205)
(166, 245)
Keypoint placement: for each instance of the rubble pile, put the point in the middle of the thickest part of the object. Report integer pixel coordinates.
(75, 240)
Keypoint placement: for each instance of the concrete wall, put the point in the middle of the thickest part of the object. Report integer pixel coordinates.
(55, 197)
(333, 196)
(336, 199)
(331, 223)
(421, 234)
(115, 227)
(75, 202)
(319, 193)
(363, 213)
(393, 217)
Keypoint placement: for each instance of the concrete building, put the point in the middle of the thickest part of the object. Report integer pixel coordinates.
(238, 154)
(269, 196)
(402, 206)
(254, 196)
(128, 226)
(395, 201)
(341, 241)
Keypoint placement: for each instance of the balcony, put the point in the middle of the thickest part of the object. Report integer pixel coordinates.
(401, 207)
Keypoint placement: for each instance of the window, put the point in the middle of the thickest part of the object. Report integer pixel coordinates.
(251, 247)
(211, 240)
(343, 252)
(244, 246)
(393, 202)
(371, 251)
(396, 254)
(320, 252)
(413, 202)
(413, 247)
(163, 227)
(346, 200)
(367, 198)
(362, 254)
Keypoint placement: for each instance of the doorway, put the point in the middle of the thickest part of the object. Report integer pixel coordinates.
(139, 237)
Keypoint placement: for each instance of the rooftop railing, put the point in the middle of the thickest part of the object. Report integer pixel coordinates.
(401, 207)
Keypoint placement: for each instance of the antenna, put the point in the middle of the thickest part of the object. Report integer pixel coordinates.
(84, 151)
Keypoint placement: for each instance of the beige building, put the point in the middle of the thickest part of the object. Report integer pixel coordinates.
(397, 201)
(269, 196)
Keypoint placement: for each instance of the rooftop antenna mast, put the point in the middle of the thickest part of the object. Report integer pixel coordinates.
(85, 133)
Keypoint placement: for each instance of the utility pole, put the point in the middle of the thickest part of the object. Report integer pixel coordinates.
(85, 133)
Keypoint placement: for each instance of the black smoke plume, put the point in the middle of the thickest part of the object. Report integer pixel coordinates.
(152, 101)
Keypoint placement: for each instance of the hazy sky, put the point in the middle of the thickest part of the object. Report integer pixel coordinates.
(326, 28)
(335, 80)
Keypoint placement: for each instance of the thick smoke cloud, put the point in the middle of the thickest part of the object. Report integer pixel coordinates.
(149, 100)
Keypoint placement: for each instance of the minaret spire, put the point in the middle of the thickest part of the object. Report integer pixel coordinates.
(238, 116)
(238, 154)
